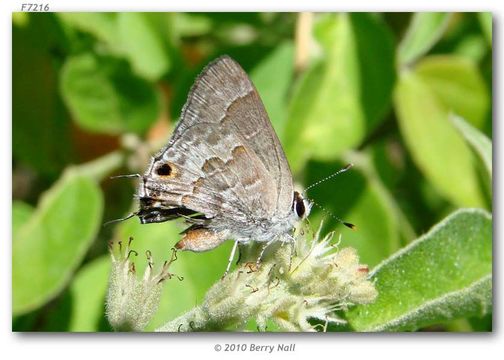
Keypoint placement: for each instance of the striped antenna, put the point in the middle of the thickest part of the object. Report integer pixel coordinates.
(121, 219)
(340, 171)
(347, 224)
(126, 176)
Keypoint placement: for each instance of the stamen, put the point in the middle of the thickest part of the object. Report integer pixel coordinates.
(130, 252)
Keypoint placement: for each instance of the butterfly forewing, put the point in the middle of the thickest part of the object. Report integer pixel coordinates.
(224, 95)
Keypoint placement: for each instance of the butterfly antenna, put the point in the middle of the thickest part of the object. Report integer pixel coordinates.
(340, 171)
(347, 224)
(119, 220)
(126, 176)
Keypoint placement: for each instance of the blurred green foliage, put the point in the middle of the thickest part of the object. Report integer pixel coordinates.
(405, 97)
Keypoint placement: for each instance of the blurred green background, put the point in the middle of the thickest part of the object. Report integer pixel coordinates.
(94, 94)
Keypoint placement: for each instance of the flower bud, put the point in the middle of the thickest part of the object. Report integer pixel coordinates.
(132, 301)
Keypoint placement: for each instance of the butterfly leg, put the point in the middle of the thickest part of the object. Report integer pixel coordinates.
(292, 242)
(259, 258)
(231, 257)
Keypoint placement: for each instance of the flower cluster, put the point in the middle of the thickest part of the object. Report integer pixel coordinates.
(132, 301)
(308, 280)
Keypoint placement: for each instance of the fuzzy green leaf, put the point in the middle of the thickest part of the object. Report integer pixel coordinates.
(444, 275)
(424, 31)
(53, 242)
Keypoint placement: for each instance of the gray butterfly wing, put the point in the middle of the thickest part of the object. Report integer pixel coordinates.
(224, 158)
(224, 95)
(213, 172)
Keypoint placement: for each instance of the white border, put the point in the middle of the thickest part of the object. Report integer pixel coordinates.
(144, 346)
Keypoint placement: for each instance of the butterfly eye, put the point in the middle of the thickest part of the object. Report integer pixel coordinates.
(300, 208)
(164, 170)
(298, 205)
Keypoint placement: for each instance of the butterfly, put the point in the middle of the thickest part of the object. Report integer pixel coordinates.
(223, 170)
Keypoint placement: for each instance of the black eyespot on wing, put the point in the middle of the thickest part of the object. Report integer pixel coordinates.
(164, 170)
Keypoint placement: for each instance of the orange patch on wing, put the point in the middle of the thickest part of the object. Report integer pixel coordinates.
(186, 199)
(239, 150)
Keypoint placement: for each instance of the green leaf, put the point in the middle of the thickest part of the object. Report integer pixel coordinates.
(102, 25)
(21, 213)
(100, 168)
(191, 24)
(199, 270)
(436, 147)
(425, 29)
(52, 243)
(485, 19)
(40, 127)
(478, 141)
(459, 86)
(272, 77)
(473, 47)
(20, 19)
(133, 36)
(142, 45)
(341, 97)
(377, 233)
(358, 197)
(88, 290)
(103, 96)
(375, 50)
(444, 275)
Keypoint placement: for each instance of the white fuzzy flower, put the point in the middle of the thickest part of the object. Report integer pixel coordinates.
(289, 288)
(131, 302)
